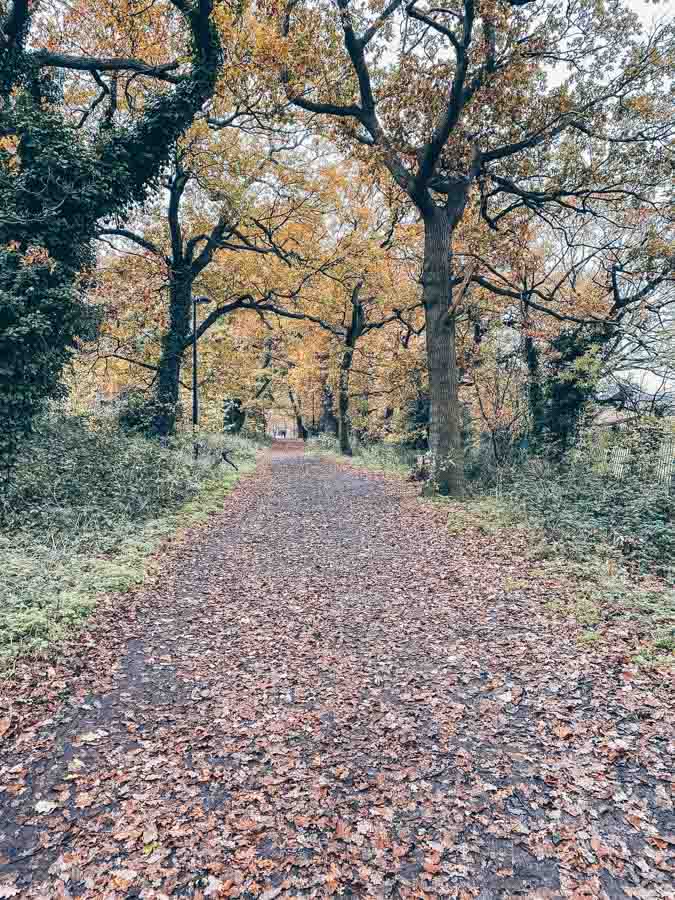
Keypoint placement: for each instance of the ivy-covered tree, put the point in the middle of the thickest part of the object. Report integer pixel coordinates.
(230, 226)
(57, 181)
(585, 302)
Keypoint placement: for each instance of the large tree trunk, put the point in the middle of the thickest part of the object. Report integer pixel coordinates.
(343, 402)
(173, 346)
(445, 427)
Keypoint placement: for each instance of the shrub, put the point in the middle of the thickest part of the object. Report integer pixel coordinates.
(136, 413)
(81, 511)
(577, 505)
(79, 475)
(323, 443)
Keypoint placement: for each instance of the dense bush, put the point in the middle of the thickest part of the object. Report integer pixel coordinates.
(609, 490)
(633, 514)
(135, 414)
(83, 508)
(83, 474)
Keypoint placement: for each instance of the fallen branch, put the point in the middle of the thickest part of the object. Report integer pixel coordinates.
(229, 461)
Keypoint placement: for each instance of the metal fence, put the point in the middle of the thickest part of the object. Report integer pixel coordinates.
(655, 460)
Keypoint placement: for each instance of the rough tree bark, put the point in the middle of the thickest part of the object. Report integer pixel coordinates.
(174, 342)
(445, 435)
(343, 402)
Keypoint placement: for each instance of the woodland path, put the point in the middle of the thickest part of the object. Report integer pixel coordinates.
(324, 693)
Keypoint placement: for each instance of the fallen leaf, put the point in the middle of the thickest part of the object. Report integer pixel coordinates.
(91, 737)
(9, 890)
(84, 800)
(45, 806)
(563, 731)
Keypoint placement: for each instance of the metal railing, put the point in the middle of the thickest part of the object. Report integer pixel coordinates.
(656, 461)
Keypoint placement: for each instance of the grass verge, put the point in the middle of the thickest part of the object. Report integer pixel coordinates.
(60, 553)
(586, 582)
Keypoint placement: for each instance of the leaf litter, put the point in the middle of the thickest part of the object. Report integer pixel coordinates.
(324, 693)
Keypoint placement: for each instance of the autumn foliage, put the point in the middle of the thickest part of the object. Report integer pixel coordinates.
(451, 213)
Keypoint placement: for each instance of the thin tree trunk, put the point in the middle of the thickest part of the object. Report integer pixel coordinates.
(445, 429)
(297, 412)
(173, 346)
(343, 402)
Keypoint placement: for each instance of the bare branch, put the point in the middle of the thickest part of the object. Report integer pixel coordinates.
(135, 238)
(109, 64)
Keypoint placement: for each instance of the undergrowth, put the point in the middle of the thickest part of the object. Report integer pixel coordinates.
(82, 512)
(612, 538)
(380, 457)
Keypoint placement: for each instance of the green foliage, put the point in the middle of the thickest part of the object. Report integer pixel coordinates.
(412, 422)
(85, 507)
(612, 536)
(234, 415)
(483, 513)
(610, 493)
(632, 515)
(560, 391)
(386, 457)
(81, 475)
(136, 413)
(47, 214)
(322, 444)
(56, 184)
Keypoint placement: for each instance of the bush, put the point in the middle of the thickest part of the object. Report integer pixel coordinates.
(80, 475)
(81, 511)
(632, 515)
(322, 443)
(136, 414)
(388, 457)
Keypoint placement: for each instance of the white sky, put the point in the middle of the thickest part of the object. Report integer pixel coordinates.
(649, 11)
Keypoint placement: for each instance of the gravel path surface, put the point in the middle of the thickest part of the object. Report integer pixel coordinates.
(326, 694)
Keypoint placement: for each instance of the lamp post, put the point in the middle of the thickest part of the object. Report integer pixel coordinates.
(195, 398)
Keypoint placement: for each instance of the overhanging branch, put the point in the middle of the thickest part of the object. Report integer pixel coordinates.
(107, 64)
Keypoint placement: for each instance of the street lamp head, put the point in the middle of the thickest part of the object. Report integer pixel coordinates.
(196, 300)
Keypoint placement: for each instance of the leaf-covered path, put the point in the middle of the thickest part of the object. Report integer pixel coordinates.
(326, 694)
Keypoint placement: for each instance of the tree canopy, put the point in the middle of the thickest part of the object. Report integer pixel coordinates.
(451, 212)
